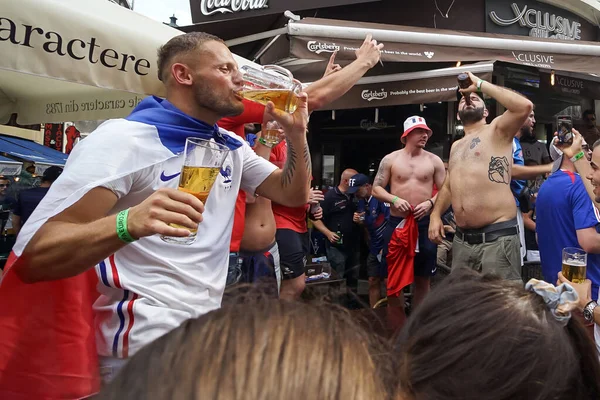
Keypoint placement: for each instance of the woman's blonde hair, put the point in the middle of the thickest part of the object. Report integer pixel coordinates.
(267, 349)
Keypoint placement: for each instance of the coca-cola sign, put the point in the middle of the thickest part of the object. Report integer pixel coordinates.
(218, 10)
(210, 7)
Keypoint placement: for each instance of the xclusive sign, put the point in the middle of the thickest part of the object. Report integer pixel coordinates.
(536, 20)
(570, 86)
(216, 10)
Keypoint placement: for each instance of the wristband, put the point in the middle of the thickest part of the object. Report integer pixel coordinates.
(578, 156)
(264, 142)
(122, 231)
(479, 83)
(431, 201)
(394, 200)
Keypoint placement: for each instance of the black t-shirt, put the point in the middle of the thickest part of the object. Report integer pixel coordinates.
(28, 201)
(339, 208)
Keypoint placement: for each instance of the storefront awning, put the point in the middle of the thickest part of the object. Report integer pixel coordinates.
(316, 39)
(31, 151)
(9, 167)
(67, 60)
(429, 86)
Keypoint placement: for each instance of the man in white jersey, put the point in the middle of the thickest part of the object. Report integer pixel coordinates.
(149, 287)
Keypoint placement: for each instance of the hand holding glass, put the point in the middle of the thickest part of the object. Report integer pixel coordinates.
(574, 264)
(202, 163)
(278, 86)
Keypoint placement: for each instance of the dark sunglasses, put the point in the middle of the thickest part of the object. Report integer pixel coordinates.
(3, 185)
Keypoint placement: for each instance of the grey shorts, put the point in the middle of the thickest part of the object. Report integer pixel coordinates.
(502, 256)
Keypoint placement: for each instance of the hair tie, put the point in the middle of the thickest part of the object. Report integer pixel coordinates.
(560, 300)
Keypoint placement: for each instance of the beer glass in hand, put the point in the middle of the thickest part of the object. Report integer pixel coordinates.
(271, 132)
(271, 83)
(574, 263)
(202, 163)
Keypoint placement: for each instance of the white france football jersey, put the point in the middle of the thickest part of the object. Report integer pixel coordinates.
(150, 287)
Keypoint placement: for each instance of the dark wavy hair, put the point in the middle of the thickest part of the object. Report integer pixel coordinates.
(482, 337)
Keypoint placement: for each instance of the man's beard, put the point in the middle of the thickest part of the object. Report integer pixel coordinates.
(527, 135)
(205, 97)
(470, 116)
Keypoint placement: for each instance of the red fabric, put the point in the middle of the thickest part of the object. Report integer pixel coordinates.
(47, 337)
(253, 114)
(434, 190)
(401, 256)
(293, 218)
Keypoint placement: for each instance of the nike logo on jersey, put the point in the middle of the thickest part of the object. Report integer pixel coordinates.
(166, 178)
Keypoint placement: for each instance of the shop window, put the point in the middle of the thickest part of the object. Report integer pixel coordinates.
(328, 176)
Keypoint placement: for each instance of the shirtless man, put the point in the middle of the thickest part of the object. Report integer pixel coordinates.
(478, 184)
(411, 173)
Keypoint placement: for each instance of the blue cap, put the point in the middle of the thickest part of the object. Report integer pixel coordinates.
(356, 182)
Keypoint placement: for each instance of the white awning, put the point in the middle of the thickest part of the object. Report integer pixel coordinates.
(68, 60)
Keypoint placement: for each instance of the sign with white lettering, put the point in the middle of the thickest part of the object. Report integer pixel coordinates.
(529, 18)
(571, 87)
(218, 10)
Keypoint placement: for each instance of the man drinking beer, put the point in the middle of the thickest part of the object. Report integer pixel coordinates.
(113, 200)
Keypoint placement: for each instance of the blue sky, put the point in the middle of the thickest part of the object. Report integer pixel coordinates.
(161, 10)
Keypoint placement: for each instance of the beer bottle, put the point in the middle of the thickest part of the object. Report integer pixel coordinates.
(464, 82)
(340, 234)
(314, 207)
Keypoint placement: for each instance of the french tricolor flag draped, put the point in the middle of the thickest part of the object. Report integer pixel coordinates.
(47, 331)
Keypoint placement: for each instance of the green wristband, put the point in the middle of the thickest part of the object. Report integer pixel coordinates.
(394, 199)
(578, 156)
(122, 231)
(264, 142)
(479, 83)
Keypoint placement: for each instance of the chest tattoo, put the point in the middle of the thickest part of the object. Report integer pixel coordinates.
(498, 170)
(474, 143)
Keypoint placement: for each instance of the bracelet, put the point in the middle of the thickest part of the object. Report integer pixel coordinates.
(394, 199)
(264, 142)
(122, 231)
(479, 83)
(578, 156)
(431, 201)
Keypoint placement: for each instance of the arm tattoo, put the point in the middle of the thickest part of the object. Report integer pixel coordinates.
(498, 170)
(308, 161)
(380, 177)
(474, 143)
(290, 165)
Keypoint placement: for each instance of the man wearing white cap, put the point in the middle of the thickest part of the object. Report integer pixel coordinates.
(478, 182)
(411, 173)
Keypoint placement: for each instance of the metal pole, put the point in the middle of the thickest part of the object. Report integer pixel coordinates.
(256, 36)
(430, 38)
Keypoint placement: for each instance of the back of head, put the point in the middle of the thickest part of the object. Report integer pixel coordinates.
(51, 174)
(267, 350)
(481, 337)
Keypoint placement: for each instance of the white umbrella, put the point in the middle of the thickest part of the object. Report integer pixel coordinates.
(72, 60)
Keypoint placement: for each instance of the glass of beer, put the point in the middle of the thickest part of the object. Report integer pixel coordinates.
(202, 163)
(574, 263)
(271, 83)
(271, 132)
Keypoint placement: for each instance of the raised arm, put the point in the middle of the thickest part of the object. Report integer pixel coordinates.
(290, 186)
(582, 165)
(517, 106)
(334, 85)
(530, 171)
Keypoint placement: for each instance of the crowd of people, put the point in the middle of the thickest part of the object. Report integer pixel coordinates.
(95, 296)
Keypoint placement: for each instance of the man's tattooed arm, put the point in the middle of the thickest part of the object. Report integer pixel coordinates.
(382, 179)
